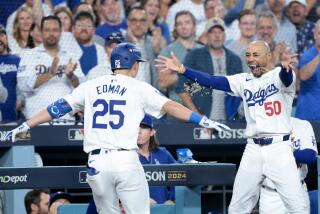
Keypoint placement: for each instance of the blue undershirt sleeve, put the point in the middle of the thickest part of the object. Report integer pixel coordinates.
(306, 156)
(210, 81)
(286, 77)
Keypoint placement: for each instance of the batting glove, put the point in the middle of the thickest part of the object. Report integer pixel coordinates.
(24, 127)
(207, 123)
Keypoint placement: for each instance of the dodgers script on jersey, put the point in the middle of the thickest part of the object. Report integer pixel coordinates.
(36, 63)
(114, 106)
(266, 101)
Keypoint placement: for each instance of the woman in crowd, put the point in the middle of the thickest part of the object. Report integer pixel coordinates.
(67, 40)
(35, 37)
(65, 17)
(21, 30)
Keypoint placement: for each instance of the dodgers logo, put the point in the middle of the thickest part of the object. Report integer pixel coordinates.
(260, 96)
(117, 63)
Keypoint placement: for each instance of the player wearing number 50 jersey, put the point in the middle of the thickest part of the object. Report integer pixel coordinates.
(114, 106)
(267, 94)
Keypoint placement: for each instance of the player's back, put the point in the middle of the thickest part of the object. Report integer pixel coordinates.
(114, 108)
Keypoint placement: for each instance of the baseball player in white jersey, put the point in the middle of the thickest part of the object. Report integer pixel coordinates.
(305, 151)
(44, 72)
(267, 94)
(114, 106)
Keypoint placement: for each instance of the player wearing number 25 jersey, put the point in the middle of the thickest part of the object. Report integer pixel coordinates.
(267, 94)
(114, 106)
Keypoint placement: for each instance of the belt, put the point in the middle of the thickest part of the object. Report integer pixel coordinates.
(268, 140)
(97, 151)
(274, 190)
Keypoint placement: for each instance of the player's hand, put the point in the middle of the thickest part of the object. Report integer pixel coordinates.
(207, 123)
(289, 61)
(24, 127)
(166, 64)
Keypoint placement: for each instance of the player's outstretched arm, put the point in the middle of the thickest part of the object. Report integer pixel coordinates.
(182, 113)
(39, 118)
(166, 64)
(56, 110)
(287, 67)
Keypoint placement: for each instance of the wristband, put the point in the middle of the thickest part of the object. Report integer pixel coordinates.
(195, 118)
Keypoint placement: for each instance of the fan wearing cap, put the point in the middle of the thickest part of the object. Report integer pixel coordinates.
(150, 153)
(213, 58)
(297, 12)
(113, 107)
(104, 68)
(57, 199)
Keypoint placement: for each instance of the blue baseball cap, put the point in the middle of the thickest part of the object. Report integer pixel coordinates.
(147, 121)
(59, 195)
(114, 37)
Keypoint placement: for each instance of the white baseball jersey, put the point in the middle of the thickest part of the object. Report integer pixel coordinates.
(36, 62)
(304, 138)
(266, 102)
(99, 70)
(114, 106)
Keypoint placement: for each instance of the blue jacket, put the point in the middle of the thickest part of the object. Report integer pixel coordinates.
(160, 156)
(200, 59)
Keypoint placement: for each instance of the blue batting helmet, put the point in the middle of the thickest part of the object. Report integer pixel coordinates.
(124, 55)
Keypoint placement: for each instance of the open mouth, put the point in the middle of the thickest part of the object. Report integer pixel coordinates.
(254, 67)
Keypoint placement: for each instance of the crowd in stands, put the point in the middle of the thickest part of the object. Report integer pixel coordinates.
(47, 48)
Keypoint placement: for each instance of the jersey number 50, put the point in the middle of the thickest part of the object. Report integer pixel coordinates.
(108, 108)
(272, 108)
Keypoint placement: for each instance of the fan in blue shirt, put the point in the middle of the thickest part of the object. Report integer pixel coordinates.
(150, 153)
(8, 73)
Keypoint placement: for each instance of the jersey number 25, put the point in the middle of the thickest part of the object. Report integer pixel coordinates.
(112, 111)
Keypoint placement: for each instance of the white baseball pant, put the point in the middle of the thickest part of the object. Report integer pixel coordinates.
(276, 162)
(270, 201)
(119, 175)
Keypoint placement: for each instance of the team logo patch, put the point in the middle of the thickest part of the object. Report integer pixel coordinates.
(117, 63)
